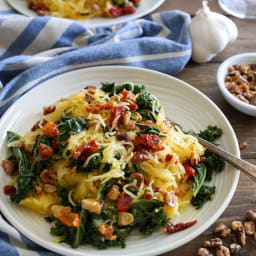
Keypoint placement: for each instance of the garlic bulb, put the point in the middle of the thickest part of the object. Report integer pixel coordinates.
(210, 33)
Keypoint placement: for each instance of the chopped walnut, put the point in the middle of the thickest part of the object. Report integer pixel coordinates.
(48, 188)
(214, 242)
(203, 252)
(251, 214)
(238, 227)
(235, 248)
(223, 230)
(222, 251)
(8, 167)
(49, 109)
(38, 190)
(243, 145)
(195, 159)
(241, 81)
(249, 227)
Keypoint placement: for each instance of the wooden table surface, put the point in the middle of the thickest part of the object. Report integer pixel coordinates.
(203, 77)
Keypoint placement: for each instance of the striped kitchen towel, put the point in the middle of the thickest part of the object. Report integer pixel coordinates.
(36, 49)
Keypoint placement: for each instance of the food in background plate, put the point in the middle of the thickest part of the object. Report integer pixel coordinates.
(241, 82)
(77, 9)
(106, 161)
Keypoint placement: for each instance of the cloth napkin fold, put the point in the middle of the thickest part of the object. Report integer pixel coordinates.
(33, 50)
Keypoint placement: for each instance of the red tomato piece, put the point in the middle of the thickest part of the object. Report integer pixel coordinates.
(115, 12)
(150, 142)
(129, 9)
(133, 107)
(189, 170)
(70, 219)
(45, 151)
(50, 129)
(123, 202)
(56, 143)
(9, 190)
(82, 152)
(168, 157)
(136, 1)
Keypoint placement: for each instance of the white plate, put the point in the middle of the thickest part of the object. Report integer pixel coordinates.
(146, 7)
(182, 103)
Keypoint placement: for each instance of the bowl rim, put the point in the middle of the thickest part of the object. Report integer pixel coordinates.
(221, 82)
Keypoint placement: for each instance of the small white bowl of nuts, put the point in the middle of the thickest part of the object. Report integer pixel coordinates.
(236, 78)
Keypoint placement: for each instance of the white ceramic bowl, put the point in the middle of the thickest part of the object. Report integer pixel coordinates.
(182, 103)
(244, 58)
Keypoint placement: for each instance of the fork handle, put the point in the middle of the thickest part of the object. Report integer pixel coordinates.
(247, 168)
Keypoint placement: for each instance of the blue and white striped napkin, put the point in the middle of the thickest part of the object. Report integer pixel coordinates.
(33, 50)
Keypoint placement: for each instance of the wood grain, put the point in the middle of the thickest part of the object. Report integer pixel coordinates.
(203, 77)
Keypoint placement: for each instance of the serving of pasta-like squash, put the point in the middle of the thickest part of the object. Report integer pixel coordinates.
(77, 9)
(105, 161)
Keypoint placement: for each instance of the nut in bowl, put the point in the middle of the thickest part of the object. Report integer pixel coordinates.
(237, 90)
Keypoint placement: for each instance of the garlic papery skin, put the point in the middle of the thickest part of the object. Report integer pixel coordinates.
(210, 33)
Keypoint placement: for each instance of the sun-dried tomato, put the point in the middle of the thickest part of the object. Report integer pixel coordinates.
(9, 190)
(150, 142)
(56, 143)
(129, 10)
(180, 226)
(123, 202)
(84, 151)
(133, 107)
(189, 170)
(116, 117)
(168, 157)
(50, 129)
(45, 151)
(140, 155)
(97, 107)
(115, 12)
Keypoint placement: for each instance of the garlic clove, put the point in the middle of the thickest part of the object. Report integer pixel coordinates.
(210, 33)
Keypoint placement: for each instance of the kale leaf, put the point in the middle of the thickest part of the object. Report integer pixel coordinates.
(199, 178)
(62, 193)
(213, 163)
(68, 126)
(210, 134)
(104, 189)
(148, 216)
(80, 232)
(25, 175)
(151, 130)
(205, 194)
(111, 87)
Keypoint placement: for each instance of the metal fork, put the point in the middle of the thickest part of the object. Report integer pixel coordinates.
(245, 167)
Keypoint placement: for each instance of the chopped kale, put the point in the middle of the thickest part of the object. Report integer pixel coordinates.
(80, 232)
(68, 126)
(205, 194)
(134, 116)
(108, 87)
(118, 155)
(146, 101)
(148, 216)
(25, 174)
(104, 189)
(210, 134)
(152, 130)
(62, 193)
(199, 178)
(214, 163)
(112, 87)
